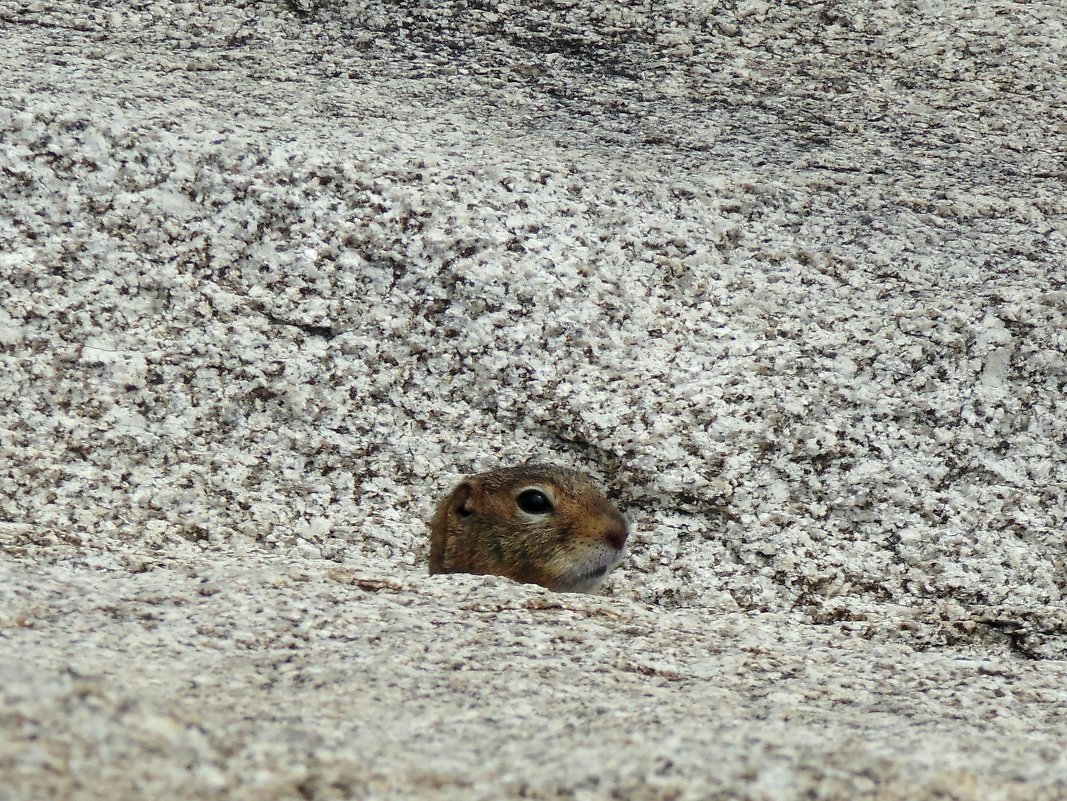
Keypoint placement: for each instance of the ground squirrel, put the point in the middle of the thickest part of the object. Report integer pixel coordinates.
(533, 523)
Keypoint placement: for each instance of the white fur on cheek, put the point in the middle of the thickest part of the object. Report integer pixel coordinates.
(582, 567)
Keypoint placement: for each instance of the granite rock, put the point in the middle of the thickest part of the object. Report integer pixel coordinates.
(789, 280)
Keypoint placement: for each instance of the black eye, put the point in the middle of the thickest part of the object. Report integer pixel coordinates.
(535, 502)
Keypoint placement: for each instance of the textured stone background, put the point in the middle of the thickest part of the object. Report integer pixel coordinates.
(789, 279)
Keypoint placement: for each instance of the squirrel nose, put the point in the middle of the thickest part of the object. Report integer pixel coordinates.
(616, 537)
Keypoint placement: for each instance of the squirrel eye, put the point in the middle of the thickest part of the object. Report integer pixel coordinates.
(535, 502)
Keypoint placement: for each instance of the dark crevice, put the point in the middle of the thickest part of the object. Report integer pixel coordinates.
(324, 331)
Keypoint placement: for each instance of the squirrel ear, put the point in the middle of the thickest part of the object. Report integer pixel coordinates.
(462, 501)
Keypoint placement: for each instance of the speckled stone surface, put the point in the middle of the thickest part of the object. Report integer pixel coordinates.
(790, 280)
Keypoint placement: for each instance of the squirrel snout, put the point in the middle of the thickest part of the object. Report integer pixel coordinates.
(616, 536)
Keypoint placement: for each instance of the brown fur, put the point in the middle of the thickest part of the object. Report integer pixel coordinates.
(479, 528)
